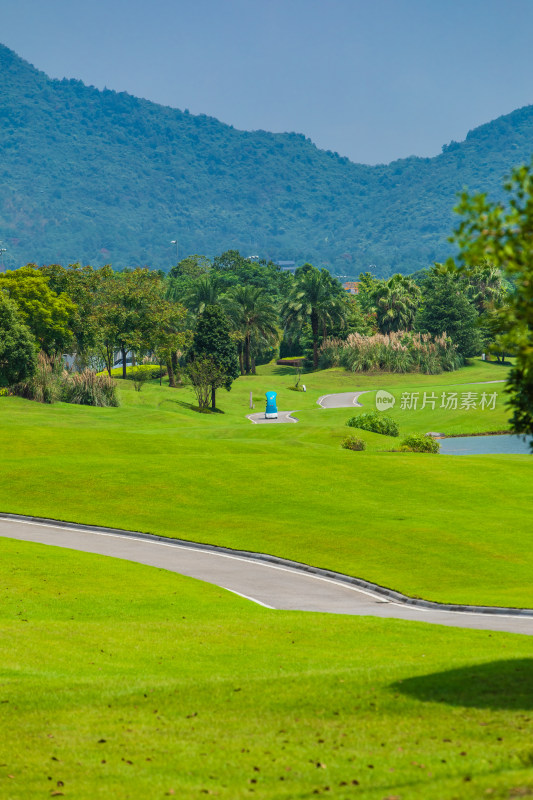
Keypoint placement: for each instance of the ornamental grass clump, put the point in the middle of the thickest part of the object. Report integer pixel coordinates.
(52, 382)
(89, 389)
(400, 351)
(353, 443)
(377, 423)
(44, 385)
(419, 443)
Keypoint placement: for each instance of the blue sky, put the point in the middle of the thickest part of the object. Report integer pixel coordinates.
(374, 80)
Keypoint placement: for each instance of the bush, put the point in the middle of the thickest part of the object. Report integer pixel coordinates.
(419, 443)
(44, 385)
(378, 423)
(52, 382)
(353, 443)
(140, 375)
(152, 370)
(89, 389)
(402, 351)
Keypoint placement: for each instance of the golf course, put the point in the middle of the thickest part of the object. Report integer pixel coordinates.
(124, 680)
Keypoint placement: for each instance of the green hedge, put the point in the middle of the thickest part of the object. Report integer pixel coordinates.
(377, 423)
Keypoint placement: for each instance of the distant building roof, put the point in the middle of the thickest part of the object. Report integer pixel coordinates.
(352, 287)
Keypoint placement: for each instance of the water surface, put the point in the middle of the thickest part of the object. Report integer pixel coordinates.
(484, 445)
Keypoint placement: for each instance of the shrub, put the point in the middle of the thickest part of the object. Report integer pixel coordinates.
(89, 389)
(52, 382)
(401, 351)
(378, 423)
(140, 375)
(419, 443)
(353, 443)
(152, 370)
(44, 385)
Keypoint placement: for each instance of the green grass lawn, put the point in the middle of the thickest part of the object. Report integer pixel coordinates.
(123, 681)
(442, 527)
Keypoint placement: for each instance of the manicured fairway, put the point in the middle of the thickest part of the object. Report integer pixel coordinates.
(445, 528)
(123, 681)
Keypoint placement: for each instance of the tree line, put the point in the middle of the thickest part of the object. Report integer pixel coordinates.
(218, 319)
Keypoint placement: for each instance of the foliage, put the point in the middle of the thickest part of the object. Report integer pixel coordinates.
(419, 443)
(18, 357)
(52, 382)
(89, 389)
(273, 194)
(316, 298)
(47, 314)
(212, 340)
(140, 374)
(204, 375)
(378, 423)
(151, 370)
(44, 385)
(353, 443)
(256, 319)
(502, 234)
(402, 351)
(395, 302)
(447, 311)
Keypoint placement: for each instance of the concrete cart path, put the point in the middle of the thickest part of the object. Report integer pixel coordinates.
(276, 586)
(283, 416)
(341, 400)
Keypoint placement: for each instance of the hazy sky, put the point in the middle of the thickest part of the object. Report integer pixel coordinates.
(374, 80)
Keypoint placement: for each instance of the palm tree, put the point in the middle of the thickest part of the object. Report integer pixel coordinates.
(484, 286)
(205, 292)
(255, 317)
(315, 299)
(396, 302)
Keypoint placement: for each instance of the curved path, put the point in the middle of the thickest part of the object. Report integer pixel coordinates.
(341, 399)
(283, 416)
(270, 582)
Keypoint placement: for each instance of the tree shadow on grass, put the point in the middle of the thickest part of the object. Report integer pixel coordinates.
(496, 685)
(191, 407)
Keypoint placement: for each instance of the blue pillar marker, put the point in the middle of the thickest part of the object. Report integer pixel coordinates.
(271, 407)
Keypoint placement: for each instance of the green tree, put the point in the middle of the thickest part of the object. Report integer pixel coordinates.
(255, 317)
(47, 314)
(205, 291)
(128, 312)
(316, 298)
(191, 267)
(18, 352)
(396, 302)
(502, 234)
(212, 340)
(82, 285)
(447, 310)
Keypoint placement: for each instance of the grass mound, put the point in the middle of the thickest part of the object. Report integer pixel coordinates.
(125, 681)
(396, 519)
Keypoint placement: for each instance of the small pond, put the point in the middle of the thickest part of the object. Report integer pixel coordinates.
(485, 445)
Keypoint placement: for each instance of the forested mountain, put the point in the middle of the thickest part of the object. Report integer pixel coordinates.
(99, 176)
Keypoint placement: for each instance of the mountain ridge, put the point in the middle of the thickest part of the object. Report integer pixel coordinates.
(101, 176)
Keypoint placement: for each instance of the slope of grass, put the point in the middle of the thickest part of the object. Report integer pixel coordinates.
(123, 681)
(397, 519)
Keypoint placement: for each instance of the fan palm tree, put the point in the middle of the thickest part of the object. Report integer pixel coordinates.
(315, 299)
(255, 317)
(205, 292)
(396, 302)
